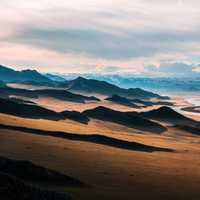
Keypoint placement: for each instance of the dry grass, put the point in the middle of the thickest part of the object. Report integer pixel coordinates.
(113, 173)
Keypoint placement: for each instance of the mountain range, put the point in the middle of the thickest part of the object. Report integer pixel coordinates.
(163, 84)
(154, 84)
(80, 84)
(10, 75)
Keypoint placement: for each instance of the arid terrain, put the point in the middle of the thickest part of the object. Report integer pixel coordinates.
(100, 100)
(109, 172)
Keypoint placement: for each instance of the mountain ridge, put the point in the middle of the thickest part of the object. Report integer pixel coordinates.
(81, 84)
(10, 75)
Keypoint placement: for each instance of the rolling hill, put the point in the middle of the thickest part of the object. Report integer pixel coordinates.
(136, 103)
(169, 115)
(36, 112)
(125, 118)
(122, 101)
(54, 93)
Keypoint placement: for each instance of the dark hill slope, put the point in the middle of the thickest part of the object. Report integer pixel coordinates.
(64, 95)
(54, 93)
(36, 112)
(8, 91)
(167, 114)
(151, 103)
(122, 101)
(12, 188)
(190, 129)
(28, 171)
(24, 180)
(178, 120)
(135, 103)
(125, 118)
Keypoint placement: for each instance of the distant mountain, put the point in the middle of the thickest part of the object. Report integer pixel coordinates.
(161, 84)
(54, 77)
(104, 88)
(153, 84)
(58, 94)
(37, 112)
(125, 118)
(79, 84)
(10, 75)
(122, 101)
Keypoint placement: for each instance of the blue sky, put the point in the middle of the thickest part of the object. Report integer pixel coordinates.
(101, 36)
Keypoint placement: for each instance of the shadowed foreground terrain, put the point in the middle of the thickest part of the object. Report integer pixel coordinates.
(114, 173)
(12, 188)
(20, 179)
(30, 172)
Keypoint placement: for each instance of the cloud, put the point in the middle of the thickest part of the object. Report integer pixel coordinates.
(125, 34)
(109, 46)
(173, 70)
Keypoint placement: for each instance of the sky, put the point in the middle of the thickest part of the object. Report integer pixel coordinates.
(152, 37)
